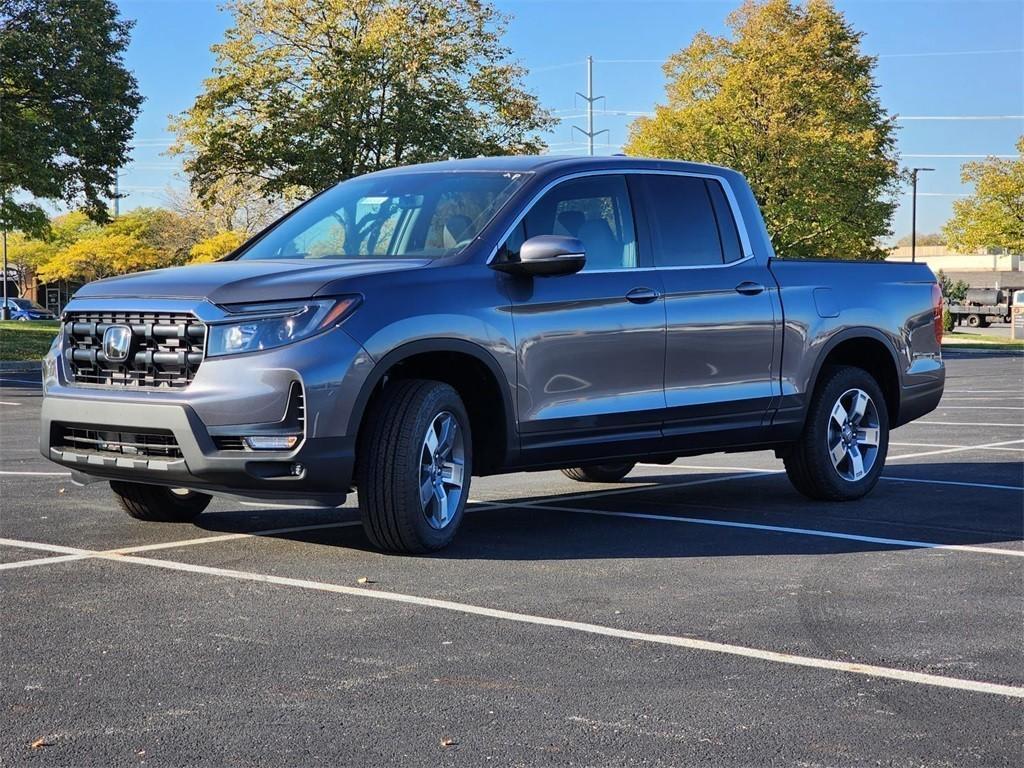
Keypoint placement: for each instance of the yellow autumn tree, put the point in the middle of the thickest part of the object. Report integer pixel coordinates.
(215, 247)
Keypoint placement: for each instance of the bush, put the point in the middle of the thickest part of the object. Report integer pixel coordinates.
(948, 321)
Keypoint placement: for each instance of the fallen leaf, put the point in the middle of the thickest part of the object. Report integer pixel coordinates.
(364, 580)
(448, 742)
(40, 742)
(61, 491)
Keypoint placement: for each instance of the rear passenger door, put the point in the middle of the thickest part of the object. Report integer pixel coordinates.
(590, 347)
(719, 355)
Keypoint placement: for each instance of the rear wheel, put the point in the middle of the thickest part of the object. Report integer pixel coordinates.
(973, 321)
(841, 453)
(156, 503)
(414, 467)
(600, 473)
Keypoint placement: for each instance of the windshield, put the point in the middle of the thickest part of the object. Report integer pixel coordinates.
(405, 215)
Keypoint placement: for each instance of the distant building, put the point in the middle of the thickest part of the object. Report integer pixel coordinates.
(980, 270)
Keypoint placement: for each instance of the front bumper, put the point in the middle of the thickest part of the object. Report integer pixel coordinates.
(324, 478)
(230, 397)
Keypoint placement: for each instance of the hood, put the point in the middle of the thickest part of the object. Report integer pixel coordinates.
(237, 282)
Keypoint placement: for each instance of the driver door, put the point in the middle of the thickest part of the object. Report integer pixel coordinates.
(590, 346)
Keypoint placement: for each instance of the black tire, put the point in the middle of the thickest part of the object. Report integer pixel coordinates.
(156, 503)
(973, 321)
(984, 322)
(600, 473)
(388, 471)
(808, 462)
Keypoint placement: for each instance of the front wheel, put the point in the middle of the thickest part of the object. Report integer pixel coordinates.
(600, 473)
(155, 503)
(841, 453)
(414, 467)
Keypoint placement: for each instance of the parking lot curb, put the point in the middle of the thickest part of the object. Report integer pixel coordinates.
(20, 366)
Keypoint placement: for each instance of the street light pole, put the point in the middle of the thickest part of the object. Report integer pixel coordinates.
(5, 313)
(913, 212)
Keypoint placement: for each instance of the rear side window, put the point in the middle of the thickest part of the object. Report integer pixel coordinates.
(692, 222)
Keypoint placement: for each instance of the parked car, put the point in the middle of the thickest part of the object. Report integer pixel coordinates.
(26, 309)
(407, 330)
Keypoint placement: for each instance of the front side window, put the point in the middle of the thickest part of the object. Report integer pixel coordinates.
(594, 209)
(401, 215)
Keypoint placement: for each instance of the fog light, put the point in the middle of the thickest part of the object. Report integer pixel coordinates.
(272, 442)
(297, 470)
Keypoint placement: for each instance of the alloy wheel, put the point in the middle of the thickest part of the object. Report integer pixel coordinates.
(853, 435)
(442, 464)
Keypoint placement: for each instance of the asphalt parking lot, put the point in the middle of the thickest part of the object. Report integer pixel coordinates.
(696, 614)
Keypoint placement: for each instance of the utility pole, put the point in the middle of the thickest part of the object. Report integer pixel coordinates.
(913, 211)
(5, 312)
(590, 98)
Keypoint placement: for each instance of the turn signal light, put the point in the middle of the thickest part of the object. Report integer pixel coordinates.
(272, 442)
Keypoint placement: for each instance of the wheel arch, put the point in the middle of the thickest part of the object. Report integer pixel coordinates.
(869, 349)
(463, 365)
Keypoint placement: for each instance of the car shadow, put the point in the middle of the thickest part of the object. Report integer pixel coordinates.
(553, 529)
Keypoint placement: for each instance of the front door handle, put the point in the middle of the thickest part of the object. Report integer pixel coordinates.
(749, 288)
(642, 295)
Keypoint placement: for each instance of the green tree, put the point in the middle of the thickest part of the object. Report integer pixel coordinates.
(993, 217)
(954, 290)
(68, 107)
(788, 100)
(305, 93)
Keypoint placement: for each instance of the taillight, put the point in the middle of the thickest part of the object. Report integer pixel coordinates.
(937, 306)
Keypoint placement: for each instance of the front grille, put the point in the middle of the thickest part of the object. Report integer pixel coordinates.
(166, 348)
(84, 439)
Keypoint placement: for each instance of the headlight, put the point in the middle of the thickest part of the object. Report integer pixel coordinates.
(253, 327)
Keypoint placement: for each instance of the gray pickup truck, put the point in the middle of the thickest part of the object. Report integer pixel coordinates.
(406, 330)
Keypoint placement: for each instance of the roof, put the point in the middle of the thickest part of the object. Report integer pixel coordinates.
(561, 163)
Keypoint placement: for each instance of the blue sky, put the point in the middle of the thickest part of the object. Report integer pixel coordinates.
(937, 59)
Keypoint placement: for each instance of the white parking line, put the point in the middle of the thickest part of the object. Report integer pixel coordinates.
(4, 402)
(982, 392)
(983, 397)
(756, 471)
(929, 423)
(41, 561)
(907, 543)
(83, 554)
(939, 451)
(35, 474)
(947, 445)
(980, 407)
(964, 484)
(678, 641)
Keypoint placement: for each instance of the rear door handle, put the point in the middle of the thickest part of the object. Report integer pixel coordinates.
(642, 295)
(749, 288)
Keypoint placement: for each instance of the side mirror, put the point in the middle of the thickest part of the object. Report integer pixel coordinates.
(547, 256)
